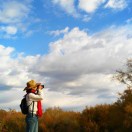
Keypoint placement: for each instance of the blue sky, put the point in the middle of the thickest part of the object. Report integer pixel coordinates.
(67, 44)
(44, 16)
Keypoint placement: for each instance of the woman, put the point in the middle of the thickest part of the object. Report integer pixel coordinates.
(33, 97)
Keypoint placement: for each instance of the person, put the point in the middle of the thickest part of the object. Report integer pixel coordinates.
(34, 97)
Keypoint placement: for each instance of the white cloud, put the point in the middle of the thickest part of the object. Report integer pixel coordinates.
(14, 68)
(59, 32)
(70, 102)
(78, 68)
(10, 30)
(78, 60)
(116, 4)
(5, 51)
(67, 5)
(13, 12)
(16, 16)
(90, 5)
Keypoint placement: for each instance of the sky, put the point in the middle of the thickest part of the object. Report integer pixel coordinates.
(73, 47)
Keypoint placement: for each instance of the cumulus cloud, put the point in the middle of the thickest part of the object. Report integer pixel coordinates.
(78, 67)
(78, 61)
(67, 5)
(14, 68)
(90, 5)
(116, 4)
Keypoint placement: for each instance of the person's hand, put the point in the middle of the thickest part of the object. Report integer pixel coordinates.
(40, 87)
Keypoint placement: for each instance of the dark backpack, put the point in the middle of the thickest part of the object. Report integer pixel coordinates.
(24, 106)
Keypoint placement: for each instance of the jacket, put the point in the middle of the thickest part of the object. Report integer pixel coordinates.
(34, 97)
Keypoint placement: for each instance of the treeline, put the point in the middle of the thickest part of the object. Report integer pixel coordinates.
(116, 117)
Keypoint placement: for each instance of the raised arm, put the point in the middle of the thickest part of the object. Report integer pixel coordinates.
(36, 97)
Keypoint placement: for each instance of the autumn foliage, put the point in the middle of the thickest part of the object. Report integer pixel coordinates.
(116, 117)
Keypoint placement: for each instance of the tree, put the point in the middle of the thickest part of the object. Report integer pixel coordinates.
(125, 76)
(124, 103)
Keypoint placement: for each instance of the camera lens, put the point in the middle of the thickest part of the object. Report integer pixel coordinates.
(42, 86)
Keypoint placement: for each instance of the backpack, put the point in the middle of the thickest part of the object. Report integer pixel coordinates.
(24, 106)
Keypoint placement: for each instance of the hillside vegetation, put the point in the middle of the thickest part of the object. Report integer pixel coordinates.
(116, 117)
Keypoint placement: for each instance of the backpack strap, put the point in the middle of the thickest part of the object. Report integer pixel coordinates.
(28, 98)
(29, 104)
(32, 108)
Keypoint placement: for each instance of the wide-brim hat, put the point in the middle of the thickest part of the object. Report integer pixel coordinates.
(31, 85)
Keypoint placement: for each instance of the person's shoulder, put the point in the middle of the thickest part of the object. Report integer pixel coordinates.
(31, 94)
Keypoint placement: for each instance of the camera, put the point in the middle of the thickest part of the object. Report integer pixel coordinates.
(41, 86)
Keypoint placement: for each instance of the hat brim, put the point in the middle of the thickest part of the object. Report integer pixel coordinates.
(26, 88)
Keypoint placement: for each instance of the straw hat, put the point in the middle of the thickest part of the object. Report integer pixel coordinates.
(31, 85)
